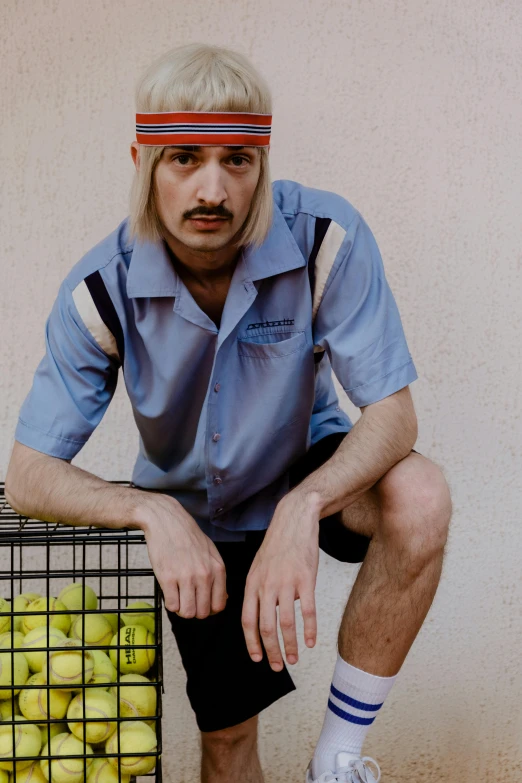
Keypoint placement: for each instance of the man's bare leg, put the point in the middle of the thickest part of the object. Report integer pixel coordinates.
(398, 579)
(230, 755)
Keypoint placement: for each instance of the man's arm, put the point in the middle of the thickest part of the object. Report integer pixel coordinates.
(385, 433)
(185, 561)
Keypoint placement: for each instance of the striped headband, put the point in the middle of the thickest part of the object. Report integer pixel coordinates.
(219, 128)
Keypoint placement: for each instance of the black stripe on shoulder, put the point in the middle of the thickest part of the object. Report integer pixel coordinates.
(321, 227)
(106, 309)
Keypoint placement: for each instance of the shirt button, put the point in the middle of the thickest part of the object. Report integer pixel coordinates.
(217, 387)
(218, 480)
(216, 436)
(219, 510)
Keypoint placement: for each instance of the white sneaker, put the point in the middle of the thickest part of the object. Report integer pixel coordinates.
(348, 770)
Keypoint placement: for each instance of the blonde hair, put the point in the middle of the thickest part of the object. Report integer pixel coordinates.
(200, 77)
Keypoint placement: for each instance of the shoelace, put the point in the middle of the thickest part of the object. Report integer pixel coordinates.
(357, 772)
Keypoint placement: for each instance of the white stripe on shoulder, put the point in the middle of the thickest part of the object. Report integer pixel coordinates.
(330, 245)
(93, 320)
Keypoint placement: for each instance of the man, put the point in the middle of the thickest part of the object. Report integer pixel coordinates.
(226, 300)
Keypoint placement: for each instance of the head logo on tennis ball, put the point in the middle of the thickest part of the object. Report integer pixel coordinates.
(131, 658)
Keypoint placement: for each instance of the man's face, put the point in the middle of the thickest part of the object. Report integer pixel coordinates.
(205, 182)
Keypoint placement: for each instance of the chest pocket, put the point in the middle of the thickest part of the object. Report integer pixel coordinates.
(271, 345)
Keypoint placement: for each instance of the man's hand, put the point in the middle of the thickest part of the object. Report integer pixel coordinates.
(186, 562)
(284, 569)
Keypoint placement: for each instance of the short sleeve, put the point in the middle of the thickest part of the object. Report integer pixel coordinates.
(358, 322)
(72, 386)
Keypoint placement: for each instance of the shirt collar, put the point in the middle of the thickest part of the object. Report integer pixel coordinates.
(151, 272)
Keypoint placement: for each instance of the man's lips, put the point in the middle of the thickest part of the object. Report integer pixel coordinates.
(201, 222)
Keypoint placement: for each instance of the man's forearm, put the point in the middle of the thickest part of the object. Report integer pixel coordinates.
(385, 433)
(43, 487)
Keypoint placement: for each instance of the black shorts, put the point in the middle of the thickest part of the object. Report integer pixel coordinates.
(224, 685)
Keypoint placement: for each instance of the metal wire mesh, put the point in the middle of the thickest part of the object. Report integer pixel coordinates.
(61, 691)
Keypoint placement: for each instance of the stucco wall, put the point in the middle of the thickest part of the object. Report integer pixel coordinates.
(411, 110)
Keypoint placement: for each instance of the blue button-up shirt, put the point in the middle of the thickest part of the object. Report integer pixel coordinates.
(222, 413)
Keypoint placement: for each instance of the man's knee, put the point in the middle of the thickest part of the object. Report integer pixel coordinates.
(416, 505)
(234, 739)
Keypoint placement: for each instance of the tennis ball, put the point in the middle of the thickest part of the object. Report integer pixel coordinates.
(31, 621)
(32, 774)
(6, 709)
(38, 638)
(27, 742)
(136, 701)
(132, 659)
(104, 670)
(114, 620)
(73, 597)
(4, 776)
(63, 769)
(11, 639)
(20, 604)
(33, 701)
(5, 621)
(140, 618)
(92, 629)
(97, 704)
(135, 737)
(50, 730)
(9, 662)
(101, 771)
(70, 665)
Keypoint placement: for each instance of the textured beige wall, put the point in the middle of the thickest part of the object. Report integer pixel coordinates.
(412, 111)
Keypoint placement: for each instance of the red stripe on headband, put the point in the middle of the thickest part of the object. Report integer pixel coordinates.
(205, 132)
(203, 117)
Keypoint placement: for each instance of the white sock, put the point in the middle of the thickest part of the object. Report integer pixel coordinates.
(355, 699)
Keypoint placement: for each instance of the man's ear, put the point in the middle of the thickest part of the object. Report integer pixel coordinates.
(135, 153)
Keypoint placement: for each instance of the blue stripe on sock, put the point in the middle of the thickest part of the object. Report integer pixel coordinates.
(360, 705)
(346, 715)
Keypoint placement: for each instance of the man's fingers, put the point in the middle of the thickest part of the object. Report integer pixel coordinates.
(187, 600)
(268, 629)
(287, 624)
(171, 597)
(307, 598)
(250, 623)
(218, 598)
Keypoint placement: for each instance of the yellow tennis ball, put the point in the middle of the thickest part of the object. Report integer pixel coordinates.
(33, 701)
(5, 621)
(4, 776)
(97, 703)
(73, 597)
(114, 620)
(8, 662)
(11, 639)
(136, 701)
(32, 774)
(9, 707)
(101, 771)
(43, 636)
(51, 605)
(64, 769)
(70, 665)
(146, 619)
(50, 730)
(104, 670)
(27, 742)
(135, 737)
(92, 628)
(132, 659)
